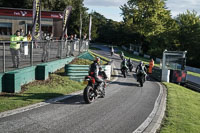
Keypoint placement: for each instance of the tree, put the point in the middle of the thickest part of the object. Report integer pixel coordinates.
(148, 16)
(189, 36)
(150, 20)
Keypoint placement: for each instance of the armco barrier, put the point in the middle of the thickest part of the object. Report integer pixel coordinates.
(78, 72)
(156, 73)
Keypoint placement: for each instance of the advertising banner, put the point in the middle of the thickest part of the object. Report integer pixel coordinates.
(36, 19)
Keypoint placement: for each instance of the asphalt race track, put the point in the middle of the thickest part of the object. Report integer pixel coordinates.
(124, 108)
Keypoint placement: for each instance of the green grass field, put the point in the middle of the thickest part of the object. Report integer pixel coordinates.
(94, 48)
(79, 61)
(194, 74)
(38, 91)
(183, 110)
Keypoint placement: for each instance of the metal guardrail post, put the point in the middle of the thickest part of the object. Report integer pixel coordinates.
(49, 53)
(31, 53)
(85, 45)
(62, 44)
(4, 58)
(67, 52)
(88, 45)
(80, 47)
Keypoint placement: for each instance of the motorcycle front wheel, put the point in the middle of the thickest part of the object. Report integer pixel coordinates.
(88, 95)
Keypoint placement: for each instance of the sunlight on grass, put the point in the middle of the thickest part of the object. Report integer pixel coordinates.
(39, 91)
(183, 110)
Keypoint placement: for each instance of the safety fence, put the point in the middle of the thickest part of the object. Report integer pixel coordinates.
(35, 52)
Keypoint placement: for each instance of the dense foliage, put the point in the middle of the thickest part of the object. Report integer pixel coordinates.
(147, 23)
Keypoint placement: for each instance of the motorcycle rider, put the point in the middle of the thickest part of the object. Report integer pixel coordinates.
(129, 63)
(102, 73)
(124, 65)
(94, 72)
(122, 55)
(141, 69)
(112, 51)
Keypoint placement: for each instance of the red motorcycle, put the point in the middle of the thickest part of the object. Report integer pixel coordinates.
(89, 93)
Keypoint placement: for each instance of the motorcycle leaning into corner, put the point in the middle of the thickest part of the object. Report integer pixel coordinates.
(141, 77)
(111, 53)
(130, 65)
(124, 71)
(93, 89)
(124, 68)
(141, 73)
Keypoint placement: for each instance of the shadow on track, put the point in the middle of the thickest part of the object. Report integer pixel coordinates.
(125, 83)
(74, 100)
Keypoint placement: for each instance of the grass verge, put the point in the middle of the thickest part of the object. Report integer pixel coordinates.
(194, 74)
(94, 48)
(38, 91)
(79, 61)
(183, 110)
(102, 57)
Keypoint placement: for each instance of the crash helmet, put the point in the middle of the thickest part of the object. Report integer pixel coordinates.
(98, 60)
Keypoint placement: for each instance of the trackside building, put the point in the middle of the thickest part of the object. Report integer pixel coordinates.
(12, 19)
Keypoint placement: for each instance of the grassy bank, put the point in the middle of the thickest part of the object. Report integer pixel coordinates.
(94, 48)
(183, 110)
(194, 74)
(38, 91)
(97, 55)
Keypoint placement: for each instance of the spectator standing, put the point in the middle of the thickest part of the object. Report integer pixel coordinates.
(72, 42)
(22, 32)
(85, 37)
(151, 65)
(15, 48)
(45, 44)
(29, 36)
(59, 47)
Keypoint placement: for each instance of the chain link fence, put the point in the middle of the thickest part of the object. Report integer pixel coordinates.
(36, 52)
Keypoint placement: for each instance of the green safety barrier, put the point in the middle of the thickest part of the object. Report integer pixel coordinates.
(157, 73)
(1, 78)
(13, 80)
(43, 70)
(76, 72)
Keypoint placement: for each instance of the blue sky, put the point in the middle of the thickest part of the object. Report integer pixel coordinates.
(110, 8)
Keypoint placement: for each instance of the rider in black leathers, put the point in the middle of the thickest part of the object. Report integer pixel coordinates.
(94, 72)
(141, 68)
(102, 73)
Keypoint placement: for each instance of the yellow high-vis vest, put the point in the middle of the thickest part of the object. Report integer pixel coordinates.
(13, 43)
